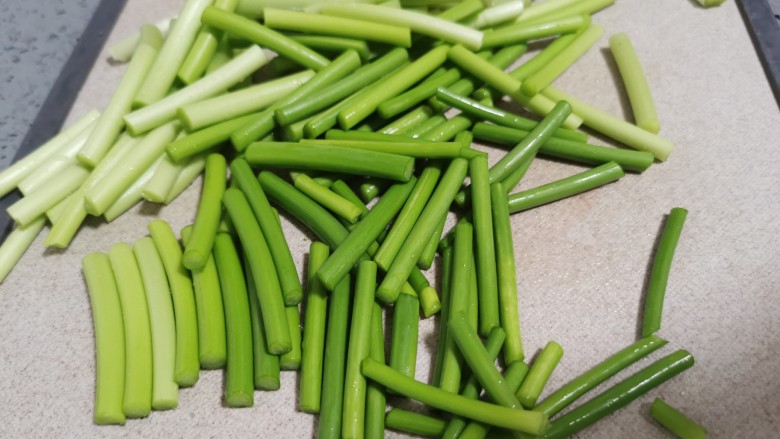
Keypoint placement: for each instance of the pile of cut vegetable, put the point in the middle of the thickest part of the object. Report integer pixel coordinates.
(359, 121)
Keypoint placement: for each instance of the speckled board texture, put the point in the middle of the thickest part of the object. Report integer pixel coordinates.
(37, 38)
(582, 262)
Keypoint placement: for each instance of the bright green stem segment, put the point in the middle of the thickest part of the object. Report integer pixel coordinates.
(514, 419)
(337, 26)
(404, 146)
(109, 339)
(418, 22)
(611, 126)
(408, 216)
(376, 402)
(138, 337)
(620, 395)
(634, 79)
(252, 31)
(334, 45)
(315, 315)
(472, 387)
(198, 250)
(110, 123)
(531, 143)
(203, 49)
(429, 251)
(187, 361)
(506, 274)
(263, 123)
(353, 420)
(239, 379)
(418, 94)
(292, 360)
(334, 362)
(485, 245)
(261, 263)
(396, 83)
(366, 232)
(462, 266)
(676, 421)
(403, 348)
(542, 58)
(327, 198)
(480, 363)
(447, 253)
(179, 40)
(415, 423)
(565, 58)
(580, 385)
(659, 274)
(436, 208)
(212, 349)
(540, 373)
(272, 231)
(205, 139)
(330, 159)
(165, 391)
(266, 364)
(361, 77)
(636, 161)
(564, 188)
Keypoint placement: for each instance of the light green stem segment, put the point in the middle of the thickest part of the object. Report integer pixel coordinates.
(620, 395)
(189, 173)
(229, 106)
(542, 58)
(106, 190)
(337, 26)
(286, 272)
(415, 423)
(252, 31)
(124, 49)
(675, 421)
(462, 10)
(485, 268)
(16, 243)
(396, 83)
(497, 13)
(165, 391)
(138, 337)
(409, 253)
(201, 52)
(261, 263)
(522, 32)
(513, 419)
(61, 159)
(547, 74)
(353, 420)
(239, 379)
(109, 339)
(601, 372)
(198, 249)
(180, 38)
(574, 8)
(292, 360)
(158, 180)
(418, 22)
(187, 361)
(620, 130)
(659, 274)
(635, 81)
(327, 198)
(506, 275)
(540, 373)
(315, 317)
(216, 82)
(111, 122)
(211, 312)
(558, 190)
(14, 174)
(33, 205)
